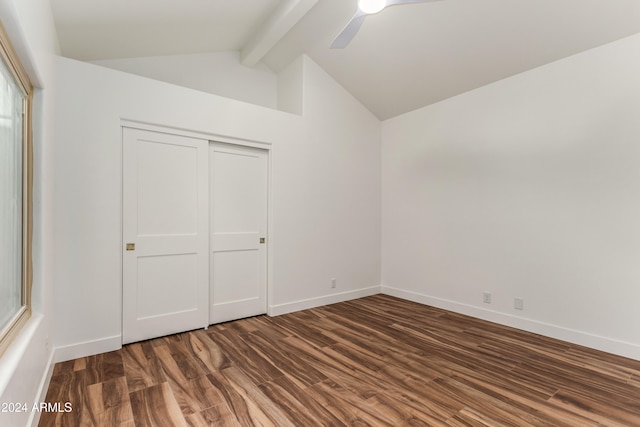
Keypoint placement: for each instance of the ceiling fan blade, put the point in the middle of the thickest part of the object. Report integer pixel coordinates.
(352, 27)
(349, 31)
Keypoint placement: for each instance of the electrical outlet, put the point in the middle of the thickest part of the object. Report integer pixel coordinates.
(486, 297)
(518, 303)
(333, 283)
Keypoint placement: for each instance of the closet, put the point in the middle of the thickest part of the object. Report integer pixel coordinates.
(194, 232)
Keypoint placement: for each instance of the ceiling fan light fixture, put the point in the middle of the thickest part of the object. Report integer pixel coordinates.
(371, 6)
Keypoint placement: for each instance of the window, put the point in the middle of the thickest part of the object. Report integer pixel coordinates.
(15, 193)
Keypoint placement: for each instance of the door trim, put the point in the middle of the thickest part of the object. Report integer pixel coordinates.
(211, 137)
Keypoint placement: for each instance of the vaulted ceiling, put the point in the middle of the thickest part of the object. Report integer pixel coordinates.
(403, 58)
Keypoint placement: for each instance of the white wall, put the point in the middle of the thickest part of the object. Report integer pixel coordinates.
(290, 87)
(325, 200)
(529, 188)
(220, 73)
(25, 367)
(327, 181)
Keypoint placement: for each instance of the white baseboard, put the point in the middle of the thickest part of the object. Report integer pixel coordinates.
(276, 310)
(34, 418)
(597, 342)
(87, 348)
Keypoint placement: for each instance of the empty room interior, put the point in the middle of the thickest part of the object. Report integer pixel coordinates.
(321, 212)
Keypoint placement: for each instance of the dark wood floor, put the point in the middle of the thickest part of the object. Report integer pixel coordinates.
(376, 361)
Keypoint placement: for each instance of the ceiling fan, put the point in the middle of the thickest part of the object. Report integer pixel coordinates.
(365, 7)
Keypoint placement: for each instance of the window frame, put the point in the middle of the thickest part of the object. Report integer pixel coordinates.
(21, 78)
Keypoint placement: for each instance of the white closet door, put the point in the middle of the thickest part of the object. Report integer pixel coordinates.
(238, 203)
(166, 234)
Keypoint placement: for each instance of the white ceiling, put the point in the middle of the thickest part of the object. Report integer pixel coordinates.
(108, 29)
(403, 58)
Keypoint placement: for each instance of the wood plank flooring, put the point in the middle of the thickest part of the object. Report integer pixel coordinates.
(377, 361)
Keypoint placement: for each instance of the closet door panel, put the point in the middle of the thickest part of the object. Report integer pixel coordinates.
(238, 204)
(165, 234)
